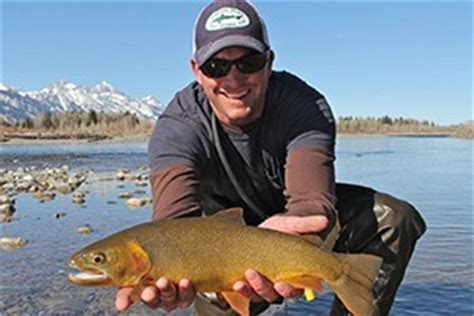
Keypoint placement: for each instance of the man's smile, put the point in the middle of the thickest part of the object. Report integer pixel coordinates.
(239, 95)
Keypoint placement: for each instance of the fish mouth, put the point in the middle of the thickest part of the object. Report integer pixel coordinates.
(88, 277)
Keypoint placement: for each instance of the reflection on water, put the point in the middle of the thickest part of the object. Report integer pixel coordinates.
(433, 174)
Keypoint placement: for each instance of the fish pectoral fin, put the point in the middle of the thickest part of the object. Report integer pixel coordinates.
(237, 301)
(140, 263)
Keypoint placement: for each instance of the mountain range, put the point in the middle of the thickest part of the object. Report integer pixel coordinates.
(62, 95)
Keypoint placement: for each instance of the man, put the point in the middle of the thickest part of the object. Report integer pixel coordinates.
(245, 135)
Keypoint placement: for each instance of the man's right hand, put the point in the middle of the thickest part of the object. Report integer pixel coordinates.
(164, 294)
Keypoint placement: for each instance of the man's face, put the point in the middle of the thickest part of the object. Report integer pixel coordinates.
(237, 99)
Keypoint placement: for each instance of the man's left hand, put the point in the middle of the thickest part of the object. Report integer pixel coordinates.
(296, 225)
(257, 287)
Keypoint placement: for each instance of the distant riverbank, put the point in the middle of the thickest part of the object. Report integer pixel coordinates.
(71, 128)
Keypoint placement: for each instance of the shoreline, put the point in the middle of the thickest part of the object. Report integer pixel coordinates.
(145, 137)
(69, 141)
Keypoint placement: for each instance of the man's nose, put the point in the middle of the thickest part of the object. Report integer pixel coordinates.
(234, 78)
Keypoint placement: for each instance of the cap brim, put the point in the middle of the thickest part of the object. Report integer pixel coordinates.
(207, 51)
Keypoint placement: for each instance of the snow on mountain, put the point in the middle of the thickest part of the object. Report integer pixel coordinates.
(66, 96)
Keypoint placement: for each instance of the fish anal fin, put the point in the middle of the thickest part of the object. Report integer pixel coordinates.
(237, 301)
(231, 215)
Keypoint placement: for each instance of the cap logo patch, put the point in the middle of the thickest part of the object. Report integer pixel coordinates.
(227, 18)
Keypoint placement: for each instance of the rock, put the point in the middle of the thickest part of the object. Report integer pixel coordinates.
(64, 188)
(23, 186)
(59, 215)
(7, 209)
(10, 243)
(44, 195)
(122, 174)
(142, 177)
(78, 200)
(141, 183)
(6, 219)
(134, 202)
(85, 230)
(78, 195)
(125, 195)
(6, 199)
(28, 178)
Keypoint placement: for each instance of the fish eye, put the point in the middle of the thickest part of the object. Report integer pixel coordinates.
(98, 258)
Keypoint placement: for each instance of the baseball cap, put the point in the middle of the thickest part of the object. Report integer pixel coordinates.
(226, 23)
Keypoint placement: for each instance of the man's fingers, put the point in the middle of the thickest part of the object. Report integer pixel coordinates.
(246, 290)
(287, 291)
(123, 299)
(186, 293)
(150, 296)
(167, 290)
(261, 285)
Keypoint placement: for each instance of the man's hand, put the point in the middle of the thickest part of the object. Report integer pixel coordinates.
(164, 294)
(296, 225)
(257, 287)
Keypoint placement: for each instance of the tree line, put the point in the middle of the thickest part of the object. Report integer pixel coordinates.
(86, 123)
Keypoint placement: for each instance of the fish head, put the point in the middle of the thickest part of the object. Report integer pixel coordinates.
(107, 264)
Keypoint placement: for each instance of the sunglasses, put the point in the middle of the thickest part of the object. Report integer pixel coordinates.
(248, 64)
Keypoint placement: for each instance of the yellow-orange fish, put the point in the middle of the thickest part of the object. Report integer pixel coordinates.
(214, 252)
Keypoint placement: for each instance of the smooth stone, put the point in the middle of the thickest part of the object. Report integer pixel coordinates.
(85, 230)
(78, 195)
(143, 183)
(7, 209)
(59, 215)
(125, 195)
(6, 199)
(10, 243)
(78, 200)
(44, 196)
(134, 202)
(64, 188)
(6, 219)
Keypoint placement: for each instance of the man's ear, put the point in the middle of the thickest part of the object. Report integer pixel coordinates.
(271, 59)
(195, 69)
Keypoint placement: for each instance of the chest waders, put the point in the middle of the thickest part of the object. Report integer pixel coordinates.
(370, 222)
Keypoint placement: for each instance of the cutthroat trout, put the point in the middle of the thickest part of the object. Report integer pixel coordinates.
(214, 252)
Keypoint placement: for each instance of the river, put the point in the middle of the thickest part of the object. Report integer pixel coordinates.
(434, 174)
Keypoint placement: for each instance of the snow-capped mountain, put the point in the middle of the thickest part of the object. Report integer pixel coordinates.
(66, 96)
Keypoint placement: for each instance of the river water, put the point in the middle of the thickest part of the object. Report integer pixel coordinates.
(434, 174)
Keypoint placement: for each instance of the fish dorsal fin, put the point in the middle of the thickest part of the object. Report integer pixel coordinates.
(233, 215)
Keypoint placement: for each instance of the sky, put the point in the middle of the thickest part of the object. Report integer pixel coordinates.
(371, 58)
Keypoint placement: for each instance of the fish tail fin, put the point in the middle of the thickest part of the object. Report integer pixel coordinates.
(354, 288)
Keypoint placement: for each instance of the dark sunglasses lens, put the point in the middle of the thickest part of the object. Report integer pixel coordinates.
(215, 68)
(251, 63)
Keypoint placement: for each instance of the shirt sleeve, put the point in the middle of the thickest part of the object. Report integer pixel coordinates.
(310, 184)
(175, 192)
(175, 154)
(310, 140)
